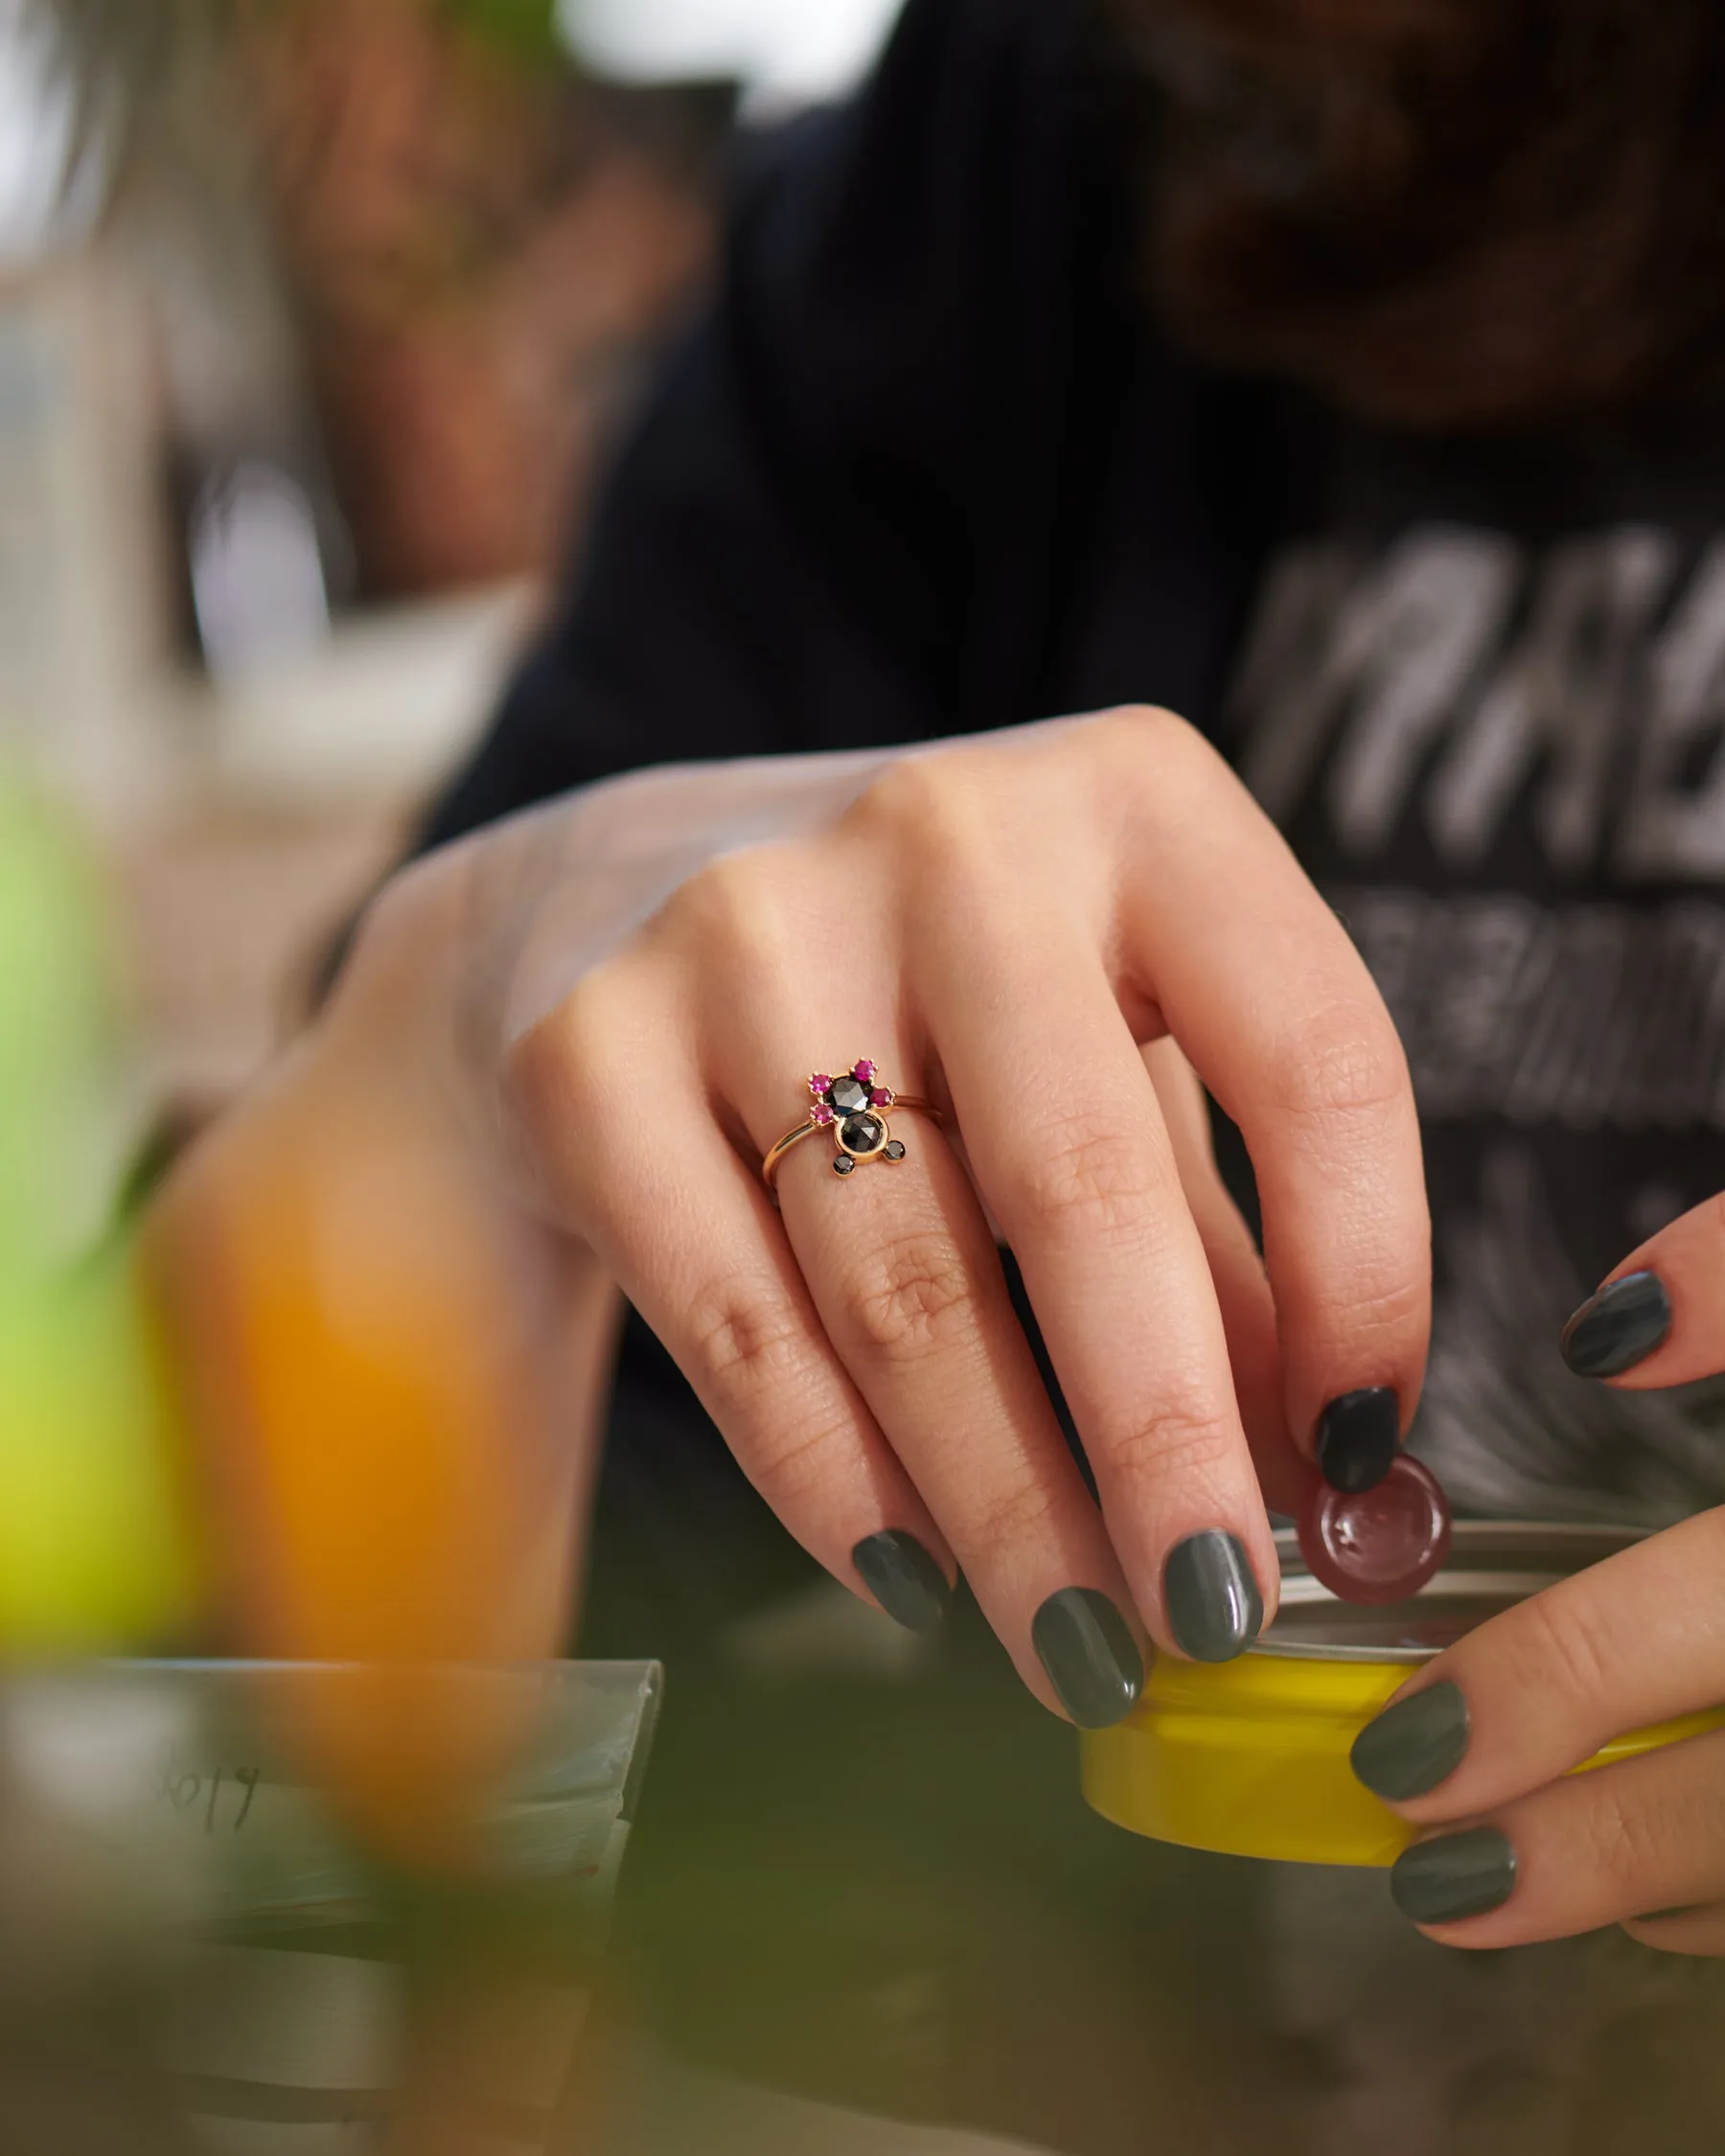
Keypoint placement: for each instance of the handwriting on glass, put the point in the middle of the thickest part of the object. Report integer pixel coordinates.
(225, 1793)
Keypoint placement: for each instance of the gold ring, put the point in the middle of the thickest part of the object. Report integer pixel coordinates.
(855, 1109)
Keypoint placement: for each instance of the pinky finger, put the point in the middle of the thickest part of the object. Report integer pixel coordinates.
(724, 1293)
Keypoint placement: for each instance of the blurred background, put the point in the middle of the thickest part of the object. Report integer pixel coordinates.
(316, 320)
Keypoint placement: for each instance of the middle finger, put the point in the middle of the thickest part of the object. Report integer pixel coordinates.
(1068, 1142)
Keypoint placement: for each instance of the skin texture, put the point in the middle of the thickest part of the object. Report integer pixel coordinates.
(1632, 1642)
(555, 1060)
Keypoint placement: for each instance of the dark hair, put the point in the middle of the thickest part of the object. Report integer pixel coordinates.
(1464, 214)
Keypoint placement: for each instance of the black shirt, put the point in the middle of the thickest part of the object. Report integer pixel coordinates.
(927, 466)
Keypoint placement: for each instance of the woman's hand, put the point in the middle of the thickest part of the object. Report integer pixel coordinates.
(1480, 1748)
(561, 1049)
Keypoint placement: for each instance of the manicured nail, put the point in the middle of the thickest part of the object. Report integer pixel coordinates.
(1358, 1437)
(1414, 1745)
(1213, 1606)
(904, 1579)
(1092, 1659)
(1619, 1327)
(1455, 1877)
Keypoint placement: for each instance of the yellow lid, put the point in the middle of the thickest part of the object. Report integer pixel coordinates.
(1250, 1757)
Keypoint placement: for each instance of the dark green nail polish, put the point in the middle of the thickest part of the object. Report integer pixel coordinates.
(1092, 1659)
(1213, 1606)
(1414, 1745)
(904, 1579)
(1619, 1327)
(1358, 1438)
(1458, 1876)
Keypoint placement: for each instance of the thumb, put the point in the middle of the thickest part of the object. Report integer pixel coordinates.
(1659, 1318)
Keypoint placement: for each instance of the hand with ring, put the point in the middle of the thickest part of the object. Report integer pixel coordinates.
(987, 983)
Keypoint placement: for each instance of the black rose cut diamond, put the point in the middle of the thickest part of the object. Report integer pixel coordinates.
(848, 1095)
(844, 1165)
(863, 1134)
(895, 1150)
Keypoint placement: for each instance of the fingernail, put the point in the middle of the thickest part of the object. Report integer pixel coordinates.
(1414, 1745)
(1213, 1606)
(1619, 1327)
(1358, 1437)
(904, 1579)
(1092, 1659)
(1455, 1877)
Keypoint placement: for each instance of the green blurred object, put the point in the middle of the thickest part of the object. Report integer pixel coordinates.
(94, 1551)
(525, 28)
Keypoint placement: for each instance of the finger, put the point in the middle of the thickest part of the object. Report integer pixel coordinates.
(1699, 1929)
(1072, 1155)
(1636, 1640)
(1660, 1320)
(687, 1229)
(909, 1284)
(1301, 1052)
(1586, 1851)
(1238, 1276)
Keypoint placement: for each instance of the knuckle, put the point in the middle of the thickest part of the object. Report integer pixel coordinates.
(1628, 1842)
(743, 907)
(745, 1339)
(1563, 1648)
(1182, 1442)
(1165, 762)
(916, 1298)
(1342, 1060)
(562, 1076)
(1375, 1307)
(1089, 1179)
(1132, 728)
(790, 1466)
(1013, 1513)
(937, 808)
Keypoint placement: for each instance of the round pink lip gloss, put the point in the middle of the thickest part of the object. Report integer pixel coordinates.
(1380, 1544)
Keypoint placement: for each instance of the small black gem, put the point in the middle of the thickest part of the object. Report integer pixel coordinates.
(895, 1150)
(863, 1134)
(844, 1165)
(847, 1096)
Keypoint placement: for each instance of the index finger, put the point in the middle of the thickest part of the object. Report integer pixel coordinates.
(1259, 983)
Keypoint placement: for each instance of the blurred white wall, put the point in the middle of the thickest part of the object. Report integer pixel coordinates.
(786, 53)
(42, 201)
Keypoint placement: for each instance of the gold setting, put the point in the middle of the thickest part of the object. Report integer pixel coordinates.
(879, 1104)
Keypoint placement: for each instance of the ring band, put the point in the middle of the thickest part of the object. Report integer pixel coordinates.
(855, 1109)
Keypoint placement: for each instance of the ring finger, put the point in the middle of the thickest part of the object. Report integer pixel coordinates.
(909, 1287)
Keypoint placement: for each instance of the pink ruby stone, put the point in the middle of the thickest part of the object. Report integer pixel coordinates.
(863, 1073)
(819, 1084)
(822, 1112)
(880, 1097)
